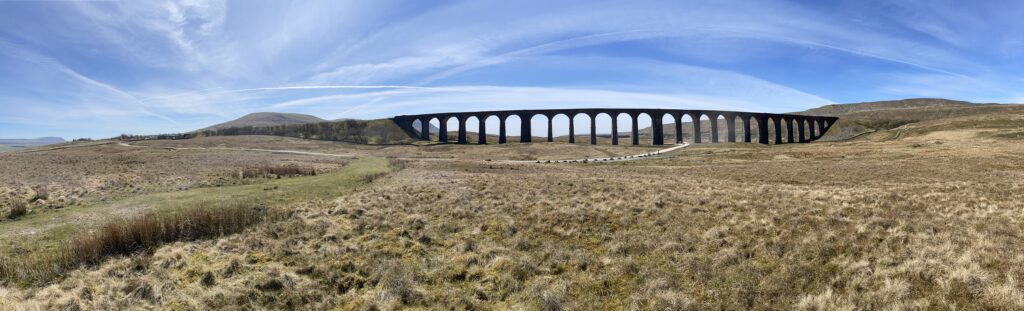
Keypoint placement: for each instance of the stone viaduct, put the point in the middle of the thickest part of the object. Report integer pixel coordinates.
(798, 128)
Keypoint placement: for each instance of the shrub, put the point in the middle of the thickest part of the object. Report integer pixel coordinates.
(18, 209)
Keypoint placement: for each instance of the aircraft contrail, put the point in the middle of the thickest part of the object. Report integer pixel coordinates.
(298, 87)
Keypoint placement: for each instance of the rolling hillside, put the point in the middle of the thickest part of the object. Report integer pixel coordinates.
(258, 119)
(888, 105)
(860, 119)
(864, 118)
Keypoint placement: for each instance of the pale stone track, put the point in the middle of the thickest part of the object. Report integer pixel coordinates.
(648, 155)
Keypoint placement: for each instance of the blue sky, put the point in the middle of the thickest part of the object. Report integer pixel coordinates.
(102, 68)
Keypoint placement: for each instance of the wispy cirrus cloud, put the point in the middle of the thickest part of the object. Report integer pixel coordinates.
(184, 64)
(688, 86)
(88, 89)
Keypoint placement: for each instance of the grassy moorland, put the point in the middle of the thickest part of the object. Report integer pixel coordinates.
(926, 215)
(32, 238)
(87, 172)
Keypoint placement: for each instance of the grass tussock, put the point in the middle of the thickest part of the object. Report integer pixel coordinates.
(276, 171)
(17, 209)
(138, 234)
(397, 164)
(145, 232)
(41, 194)
(369, 178)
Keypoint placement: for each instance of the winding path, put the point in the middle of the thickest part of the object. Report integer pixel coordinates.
(635, 157)
(609, 159)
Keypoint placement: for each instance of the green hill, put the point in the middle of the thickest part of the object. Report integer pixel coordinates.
(864, 118)
(259, 119)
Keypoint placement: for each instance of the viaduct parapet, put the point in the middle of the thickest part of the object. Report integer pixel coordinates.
(797, 128)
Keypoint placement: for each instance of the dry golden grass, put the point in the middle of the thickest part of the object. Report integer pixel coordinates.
(134, 235)
(95, 170)
(927, 216)
(427, 151)
(41, 231)
(278, 171)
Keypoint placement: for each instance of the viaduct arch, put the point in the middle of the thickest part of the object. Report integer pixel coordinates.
(798, 128)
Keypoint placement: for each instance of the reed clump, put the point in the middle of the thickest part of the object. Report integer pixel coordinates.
(132, 235)
(276, 171)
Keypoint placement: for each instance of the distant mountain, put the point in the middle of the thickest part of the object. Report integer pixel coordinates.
(16, 144)
(267, 119)
(32, 142)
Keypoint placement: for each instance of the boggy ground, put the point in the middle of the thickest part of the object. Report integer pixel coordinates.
(925, 217)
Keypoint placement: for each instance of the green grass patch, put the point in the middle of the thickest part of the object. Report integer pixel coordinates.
(271, 193)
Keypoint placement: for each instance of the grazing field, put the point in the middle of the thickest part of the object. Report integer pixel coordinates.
(926, 215)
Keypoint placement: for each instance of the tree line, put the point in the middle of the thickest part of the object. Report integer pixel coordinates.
(346, 131)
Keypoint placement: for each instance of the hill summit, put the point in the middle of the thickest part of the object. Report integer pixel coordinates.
(887, 105)
(870, 117)
(258, 119)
